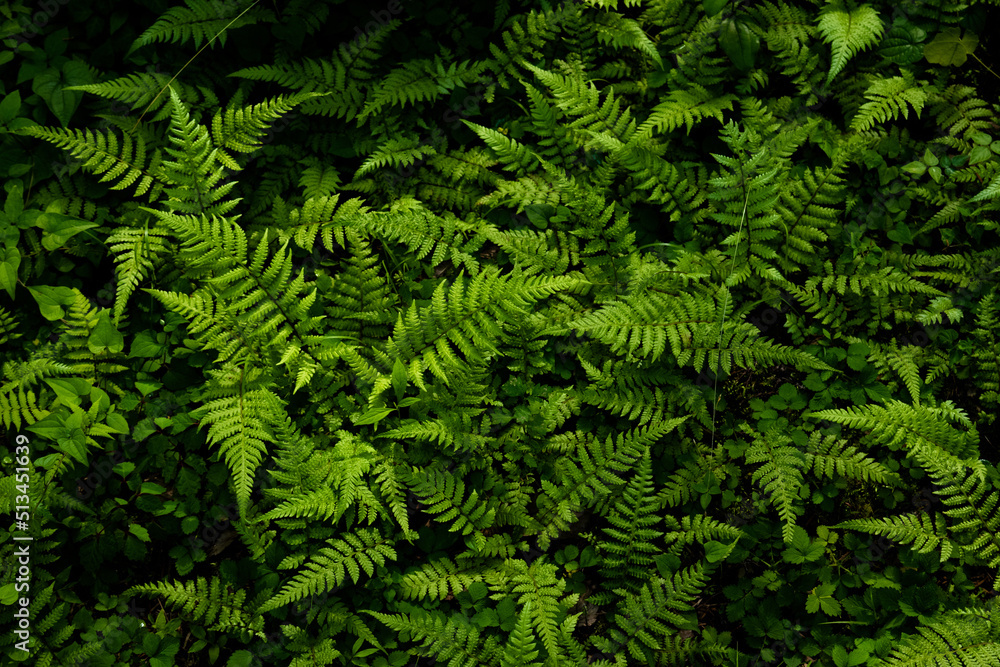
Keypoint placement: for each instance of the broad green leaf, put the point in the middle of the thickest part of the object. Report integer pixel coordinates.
(802, 549)
(52, 299)
(821, 598)
(241, 658)
(857, 355)
(14, 203)
(10, 260)
(713, 7)
(8, 594)
(980, 154)
(901, 234)
(60, 228)
(116, 422)
(9, 107)
(69, 389)
(399, 379)
(50, 85)
(539, 214)
(740, 43)
(373, 416)
(950, 48)
(139, 532)
(50, 428)
(903, 43)
(189, 524)
(144, 345)
(74, 443)
(716, 551)
(105, 336)
(145, 388)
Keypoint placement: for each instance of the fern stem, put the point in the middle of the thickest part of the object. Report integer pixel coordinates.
(715, 391)
(191, 60)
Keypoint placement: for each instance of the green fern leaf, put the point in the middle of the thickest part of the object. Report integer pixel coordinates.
(849, 31)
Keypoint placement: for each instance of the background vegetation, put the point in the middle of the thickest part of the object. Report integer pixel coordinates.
(608, 333)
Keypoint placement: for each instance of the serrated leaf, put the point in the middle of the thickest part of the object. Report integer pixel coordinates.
(857, 355)
(903, 43)
(139, 532)
(14, 204)
(848, 32)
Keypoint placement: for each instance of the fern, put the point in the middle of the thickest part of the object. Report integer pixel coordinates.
(848, 31)
(445, 639)
(201, 21)
(645, 625)
(332, 565)
(960, 637)
(124, 165)
(889, 99)
(211, 602)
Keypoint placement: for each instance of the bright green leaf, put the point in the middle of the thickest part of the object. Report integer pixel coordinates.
(713, 7)
(950, 48)
(373, 416)
(139, 532)
(52, 299)
(8, 594)
(10, 260)
(105, 336)
(902, 45)
(9, 107)
(60, 228)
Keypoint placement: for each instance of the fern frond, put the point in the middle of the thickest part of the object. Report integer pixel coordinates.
(780, 476)
(445, 497)
(454, 640)
(241, 128)
(417, 81)
(211, 602)
(832, 457)
(201, 21)
(443, 577)
(146, 90)
(954, 638)
(924, 429)
(888, 99)
(330, 566)
(631, 533)
(848, 31)
(137, 251)
(683, 107)
(122, 165)
(921, 531)
(240, 410)
(347, 75)
(647, 621)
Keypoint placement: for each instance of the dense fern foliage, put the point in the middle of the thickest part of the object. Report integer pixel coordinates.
(582, 333)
